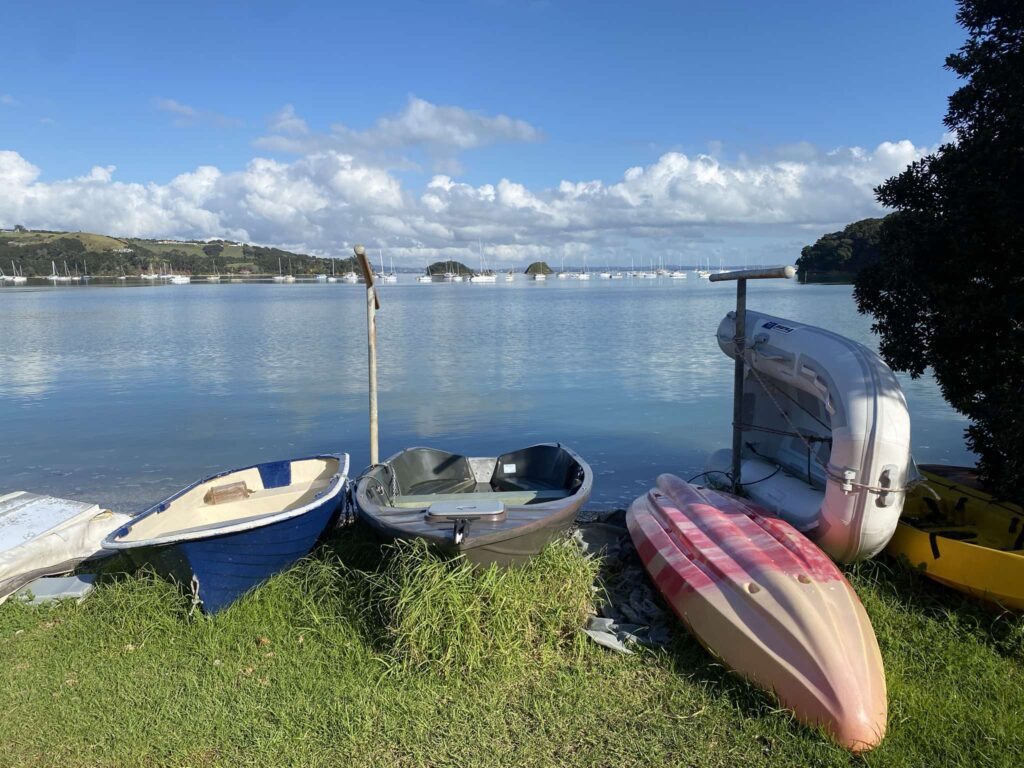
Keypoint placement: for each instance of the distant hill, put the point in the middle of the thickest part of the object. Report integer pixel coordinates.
(539, 267)
(838, 256)
(33, 250)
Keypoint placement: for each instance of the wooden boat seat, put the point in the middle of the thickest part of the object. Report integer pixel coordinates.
(509, 498)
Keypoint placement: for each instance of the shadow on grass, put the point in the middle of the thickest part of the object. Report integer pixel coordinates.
(895, 582)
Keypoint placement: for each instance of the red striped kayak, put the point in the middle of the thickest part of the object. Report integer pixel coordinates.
(767, 602)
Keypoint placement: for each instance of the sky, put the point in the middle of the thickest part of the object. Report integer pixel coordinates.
(731, 132)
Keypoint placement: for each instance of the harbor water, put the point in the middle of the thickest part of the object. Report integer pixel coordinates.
(120, 394)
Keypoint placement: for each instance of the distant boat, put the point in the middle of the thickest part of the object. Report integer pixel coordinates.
(280, 276)
(180, 279)
(387, 277)
(617, 276)
(485, 275)
(56, 276)
(678, 274)
(215, 277)
(67, 273)
(350, 277)
(500, 510)
(224, 535)
(333, 278)
(584, 275)
(289, 278)
(426, 277)
(85, 271)
(540, 277)
(605, 275)
(16, 277)
(510, 276)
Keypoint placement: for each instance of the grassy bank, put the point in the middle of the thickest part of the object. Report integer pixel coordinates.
(409, 661)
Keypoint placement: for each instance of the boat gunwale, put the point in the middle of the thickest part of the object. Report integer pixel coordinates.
(336, 485)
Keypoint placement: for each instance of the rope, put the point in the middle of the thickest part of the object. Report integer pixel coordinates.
(827, 468)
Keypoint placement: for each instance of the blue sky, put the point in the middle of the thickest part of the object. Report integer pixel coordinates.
(595, 88)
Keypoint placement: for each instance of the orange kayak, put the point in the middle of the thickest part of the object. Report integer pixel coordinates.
(766, 601)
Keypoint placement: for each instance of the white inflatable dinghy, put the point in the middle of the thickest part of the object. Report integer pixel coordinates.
(45, 536)
(826, 434)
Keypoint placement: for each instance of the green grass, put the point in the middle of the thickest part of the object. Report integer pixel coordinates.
(351, 658)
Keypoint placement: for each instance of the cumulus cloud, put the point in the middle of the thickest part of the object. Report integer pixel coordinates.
(440, 131)
(326, 200)
(185, 115)
(287, 122)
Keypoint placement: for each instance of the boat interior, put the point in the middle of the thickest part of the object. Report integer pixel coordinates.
(946, 507)
(422, 476)
(238, 497)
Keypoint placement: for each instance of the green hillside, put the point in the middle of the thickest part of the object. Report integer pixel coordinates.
(34, 250)
(838, 256)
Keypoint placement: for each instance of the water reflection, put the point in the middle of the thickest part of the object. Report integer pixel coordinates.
(122, 395)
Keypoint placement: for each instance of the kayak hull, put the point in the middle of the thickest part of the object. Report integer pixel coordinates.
(962, 537)
(768, 603)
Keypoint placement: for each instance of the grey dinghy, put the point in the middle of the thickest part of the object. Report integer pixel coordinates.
(227, 533)
(501, 510)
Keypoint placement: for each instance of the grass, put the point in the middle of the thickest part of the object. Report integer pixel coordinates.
(351, 657)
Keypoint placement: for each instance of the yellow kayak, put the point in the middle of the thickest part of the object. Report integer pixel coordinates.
(963, 537)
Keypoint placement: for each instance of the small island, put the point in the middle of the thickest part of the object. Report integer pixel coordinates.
(539, 268)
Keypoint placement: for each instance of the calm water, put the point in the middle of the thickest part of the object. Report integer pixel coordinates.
(121, 394)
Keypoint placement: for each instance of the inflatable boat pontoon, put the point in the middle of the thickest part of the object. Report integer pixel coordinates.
(826, 434)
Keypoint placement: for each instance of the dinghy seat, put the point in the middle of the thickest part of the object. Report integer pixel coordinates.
(444, 486)
(508, 498)
(219, 494)
(426, 470)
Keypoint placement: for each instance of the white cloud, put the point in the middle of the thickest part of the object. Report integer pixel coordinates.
(440, 131)
(287, 122)
(7, 100)
(185, 115)
(324, 201)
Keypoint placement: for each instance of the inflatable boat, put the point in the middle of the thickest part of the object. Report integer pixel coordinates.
(826, 434)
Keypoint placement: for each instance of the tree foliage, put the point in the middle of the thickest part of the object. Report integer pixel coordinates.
(455, 267)
(841, 254)
(948, 291)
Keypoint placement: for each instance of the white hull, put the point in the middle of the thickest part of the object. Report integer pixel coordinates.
(45, 536)
(830, 416)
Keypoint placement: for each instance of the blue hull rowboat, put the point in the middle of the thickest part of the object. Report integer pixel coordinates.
(223, 535)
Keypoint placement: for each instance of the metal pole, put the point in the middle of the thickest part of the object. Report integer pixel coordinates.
(737, 397)
(372, 304)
